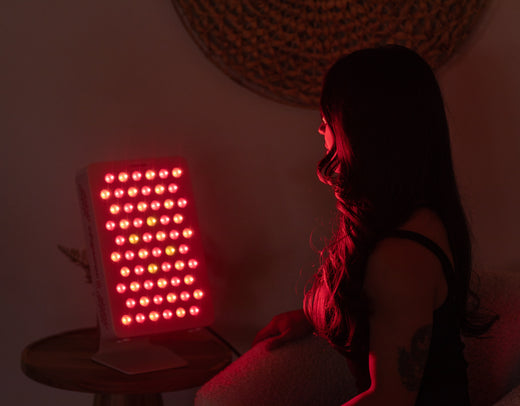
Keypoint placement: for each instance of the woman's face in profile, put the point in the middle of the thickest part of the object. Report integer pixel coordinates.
(326, 131)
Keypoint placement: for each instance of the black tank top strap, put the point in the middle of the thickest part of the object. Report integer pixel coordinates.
(447, 267)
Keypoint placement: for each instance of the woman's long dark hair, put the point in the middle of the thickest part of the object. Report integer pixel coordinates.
(391, 156)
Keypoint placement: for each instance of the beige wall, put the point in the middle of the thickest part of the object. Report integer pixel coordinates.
(107, 80)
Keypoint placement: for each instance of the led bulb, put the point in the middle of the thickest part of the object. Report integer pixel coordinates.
(126, 320)
(147, 237)
(123, 177)
(166, 266)
(143, 253)
(105, 194)
(130, 303)
(115, 256)
(185, 296)
(119, 193)
(194, 310)
(136, 175)
(157, 299)
(161, 235)
(182, 203)
(179, 265)
(174, 234)
(167, 314)
(151, 221)
(172, 188)
(164, 220)
(120, 288)
(171, 297)
(144, 301)
(110, 225)
(150, 175)
(138, 223)
(187, 233)
(133, 239)
(128, 207)
(129, 255)
(154, 316)
(125, 271)
(159, 189)
(163, 173)
(139, 270)
(142, 206)
(109, 178)
(153, 268)
(148, 284)
(175, 281)
(189, 279)
(135, 286)
(192, 263)
(183, 249)
(155, 205)
(180, 312)
(177, 172)
(168, 204)
(198, 294)
(133, 192)
(114, 209)
(177, 219)
(169, 250)
(120, 240)
(156, 252)
(145, 190)
(124, 224)
(140, 318)
(162, 283)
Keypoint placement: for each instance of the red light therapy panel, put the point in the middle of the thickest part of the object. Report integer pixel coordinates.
(145, 247)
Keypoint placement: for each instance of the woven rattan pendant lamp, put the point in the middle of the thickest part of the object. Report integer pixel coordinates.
(282, 48)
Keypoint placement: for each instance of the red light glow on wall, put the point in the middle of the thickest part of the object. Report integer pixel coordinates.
(145, 247)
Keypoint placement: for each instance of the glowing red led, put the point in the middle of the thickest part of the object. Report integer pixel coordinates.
(182, 203)
(180, 312)
(155, 205)
(166, 266)
(144, 301)
(187, 233)
(183, 249)
(125, 271)
(163, 173)
(148, 284)
(110, 225)
(119, 193)
(157, 299)
(167, 314)
(179, 265)
(189, 279)
(194, 310)
(115, 256)
(156, 252)
(177, 172)
(128, 207)
(120, 288)
(135, 286)
(172, 188)
(177, 219)
(159, 189)
(136, 175)
(151, 221)
(142, 206)
(143, 253)
(169, 250)
(153, 268)
(164, 220)
(162, 283)
(130, 303)
(129, 255)
(174, 234)
(171, 297)
(114, 209)
(154, 316)
(175, 281)
(146, 190)
(185, 296)
(160, 235)
(147, 237)
(138, 223)
(120, 240)
(123, 177)
(139, 270)
(109, 178)
(169, 204)
(126, 320)
(104, 194)
(133, 192)
(133, 239)
(140, 318)
(192, 263)
(124, 224)
(198, 294)
(150, 175)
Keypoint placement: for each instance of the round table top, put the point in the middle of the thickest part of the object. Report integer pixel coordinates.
(64, 361)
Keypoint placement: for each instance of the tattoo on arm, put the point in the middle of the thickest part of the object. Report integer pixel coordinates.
(412, 362)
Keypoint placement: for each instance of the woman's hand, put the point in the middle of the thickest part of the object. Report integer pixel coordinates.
(284, 328)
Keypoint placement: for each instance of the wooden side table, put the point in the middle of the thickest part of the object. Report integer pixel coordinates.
(64, 361)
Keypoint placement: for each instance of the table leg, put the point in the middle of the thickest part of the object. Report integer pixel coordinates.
(122, 399)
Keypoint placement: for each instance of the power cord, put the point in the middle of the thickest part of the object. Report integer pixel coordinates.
(223, 340)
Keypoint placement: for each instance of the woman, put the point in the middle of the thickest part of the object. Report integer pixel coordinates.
(392, 290)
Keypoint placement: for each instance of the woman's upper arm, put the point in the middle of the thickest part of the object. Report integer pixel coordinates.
(400, 283)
